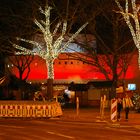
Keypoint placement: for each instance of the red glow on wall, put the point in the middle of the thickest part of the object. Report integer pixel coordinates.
(72, 69)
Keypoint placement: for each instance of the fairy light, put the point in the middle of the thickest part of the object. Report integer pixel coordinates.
(135, 31)
(53, 46)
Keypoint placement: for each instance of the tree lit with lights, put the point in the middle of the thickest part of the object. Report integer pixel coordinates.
(136, 101)
(53, 40)
(131, 17)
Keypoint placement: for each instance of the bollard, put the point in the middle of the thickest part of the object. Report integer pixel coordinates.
(102, 106)
(113, 110)
(77, 106)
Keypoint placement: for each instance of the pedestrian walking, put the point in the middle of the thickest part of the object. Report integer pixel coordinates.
(127, 104)
(119, 108)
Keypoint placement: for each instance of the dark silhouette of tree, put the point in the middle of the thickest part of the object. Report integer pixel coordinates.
(114, 49)
(22, 64)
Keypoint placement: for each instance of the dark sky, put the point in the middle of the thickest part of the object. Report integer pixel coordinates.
(16, 17)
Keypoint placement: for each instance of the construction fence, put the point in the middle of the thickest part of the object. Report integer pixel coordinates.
(30, 109)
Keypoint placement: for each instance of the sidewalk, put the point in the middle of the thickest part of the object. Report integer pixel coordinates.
(93, 115)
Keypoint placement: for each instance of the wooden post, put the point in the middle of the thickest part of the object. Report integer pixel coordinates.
(50, 88)
(77, 105)
(102, 106)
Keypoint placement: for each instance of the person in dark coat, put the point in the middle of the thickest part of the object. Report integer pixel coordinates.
(119, 108)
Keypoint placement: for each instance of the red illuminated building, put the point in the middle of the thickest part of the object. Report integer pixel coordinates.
(73, 70)
(68, 70)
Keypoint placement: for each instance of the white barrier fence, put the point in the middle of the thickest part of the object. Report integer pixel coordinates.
(30, 109)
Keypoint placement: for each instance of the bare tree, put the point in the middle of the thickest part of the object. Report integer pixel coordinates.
(14, 21)
(22, 64)
(113, 53)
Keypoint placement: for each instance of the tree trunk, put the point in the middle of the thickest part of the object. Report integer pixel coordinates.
(113, 91)
(50, 68)
(50, 88)
(115, 77)
(50, 79)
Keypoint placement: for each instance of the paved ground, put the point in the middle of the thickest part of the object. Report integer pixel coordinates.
(93, 115)
(83, 125)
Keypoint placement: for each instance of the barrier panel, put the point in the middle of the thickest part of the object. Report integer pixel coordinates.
(114, 110)
(102, 106)
(30, 109)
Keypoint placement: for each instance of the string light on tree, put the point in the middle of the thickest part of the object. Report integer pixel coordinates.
(136, 101)
(53, 46)
(128, 17)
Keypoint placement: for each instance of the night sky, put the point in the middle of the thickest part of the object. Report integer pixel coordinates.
(17, 19)
(16, 16)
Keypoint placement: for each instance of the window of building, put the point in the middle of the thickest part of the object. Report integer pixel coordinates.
(71, 62)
